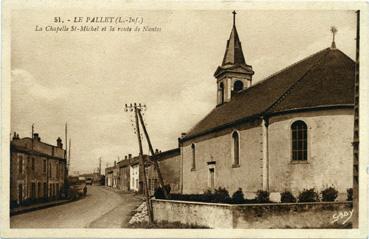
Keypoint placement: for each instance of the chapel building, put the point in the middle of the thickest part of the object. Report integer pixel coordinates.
(290, 131)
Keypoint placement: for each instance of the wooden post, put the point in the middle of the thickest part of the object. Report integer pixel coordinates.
(355, 187)
(142, 164)
(156, 165)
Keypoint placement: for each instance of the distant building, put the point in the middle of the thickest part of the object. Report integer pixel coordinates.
(94, 177)
(109, 176)
(127, 174)
(124, 173)
(169, 165)
(115, 176)
(136, 173)
(37, 170)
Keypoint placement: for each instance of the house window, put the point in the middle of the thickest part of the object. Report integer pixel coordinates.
(299, 140)
(45, 190)
(33, 164)
(33, 191)
(236, 148)
(20, 165)
(238, 86)
(49, 170)
(44, 166)
(193, 149)
(39, 190)
(20, 193)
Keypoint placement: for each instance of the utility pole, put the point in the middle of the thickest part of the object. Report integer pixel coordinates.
(153, 159)
(66, 142)
(137, 109)
(70, 144)
(99, 166)
(355, 187)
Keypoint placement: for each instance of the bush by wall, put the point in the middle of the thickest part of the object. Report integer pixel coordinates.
(287, 197)
(238, 197)
(221, 195)
(349, 194)
(159, 192)
(262, 196)
(308, 195)
(329, 194)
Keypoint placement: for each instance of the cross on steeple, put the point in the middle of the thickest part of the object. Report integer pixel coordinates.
(334, 31)
(234, 17)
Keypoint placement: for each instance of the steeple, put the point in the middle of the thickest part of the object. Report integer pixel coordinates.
(233, 54)
(233, 75)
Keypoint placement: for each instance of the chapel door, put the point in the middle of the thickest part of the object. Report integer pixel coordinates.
(20, 193)
(211, 178)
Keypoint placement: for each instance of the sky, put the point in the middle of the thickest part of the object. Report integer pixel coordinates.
(86, 78)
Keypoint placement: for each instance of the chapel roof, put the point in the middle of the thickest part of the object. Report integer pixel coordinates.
(325, 78)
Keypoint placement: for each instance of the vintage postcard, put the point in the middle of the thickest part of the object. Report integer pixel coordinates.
(180, 120)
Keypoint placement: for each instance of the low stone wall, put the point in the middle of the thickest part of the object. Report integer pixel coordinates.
(255, 216)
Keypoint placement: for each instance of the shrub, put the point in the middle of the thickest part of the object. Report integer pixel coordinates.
(287, 197)
(262, 196)
(349, 194)
(221, 195)
(308, 195)
(159, 192)
(13, 204)
(238, 196)
(329, 194)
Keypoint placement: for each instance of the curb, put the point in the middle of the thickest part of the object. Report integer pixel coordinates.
(25, 210)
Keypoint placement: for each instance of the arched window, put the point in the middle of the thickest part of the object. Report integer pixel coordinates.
(299, 140)
(193, 149)
(238, 86)
(236, 148)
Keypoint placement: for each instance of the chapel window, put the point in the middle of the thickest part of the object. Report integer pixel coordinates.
(221, 93)
(236, 148)
(299, 140)
(238, 86)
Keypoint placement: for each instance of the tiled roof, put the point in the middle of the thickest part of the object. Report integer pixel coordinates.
(167, 154)
(322, 79)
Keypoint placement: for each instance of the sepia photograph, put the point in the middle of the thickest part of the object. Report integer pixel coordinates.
(199, 119)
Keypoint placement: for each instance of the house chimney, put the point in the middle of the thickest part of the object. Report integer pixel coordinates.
(183, 134)
(15, 136)
(36, 137)
(59, 143)
(125, 157)
(115, 163)
(129, 156)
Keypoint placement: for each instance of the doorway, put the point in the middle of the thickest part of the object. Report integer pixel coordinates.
(20, 194)
(211, 178)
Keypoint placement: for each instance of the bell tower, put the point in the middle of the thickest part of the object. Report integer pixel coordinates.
(234, 75)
